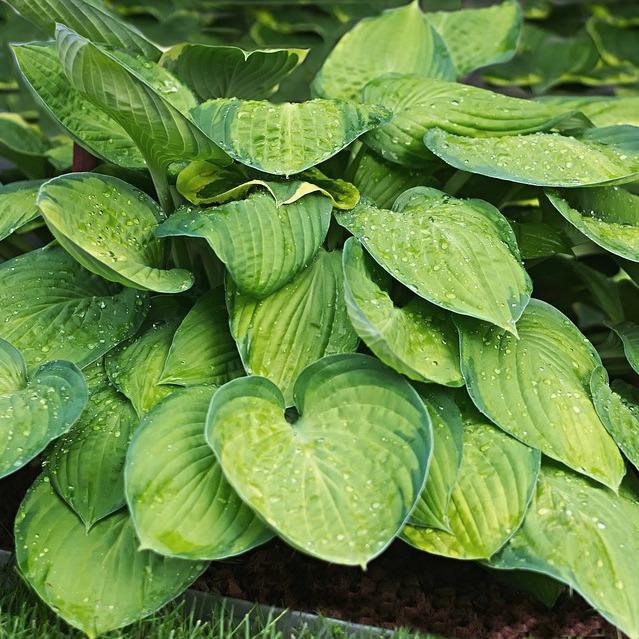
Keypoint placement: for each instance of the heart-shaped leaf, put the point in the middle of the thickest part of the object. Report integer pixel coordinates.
(52, 308)
(570, 515)
(418, 339)
(371, 49)
(86, 465)
(180, 502)
(629, 334)
(340, 482)
(280, 335)
(537, 388)
(458, 254)
(203, 350)
(542, 159)
(97, 580)
(230, 72)
(609, 216)
(494, 487)
(17, 205)
(287, 138)
(263, 244)
(108, 226)
(35, 409)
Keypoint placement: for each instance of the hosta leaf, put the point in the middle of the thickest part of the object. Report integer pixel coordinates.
(230, 72)
(108, 226)
(616, 45)
(418, 339)
(458, 254)
(88, 125)
(287, 138)
(135, 367)
(96, 580)
(339, 482)
(609, 216)
(180, 502)
(203, 350)
(280, 335)
(371, 49)
(568, 516)
(86, 465)
(52, 308)
(90, 19)
(17, 205)
(494, 487)
(540, 239)
(478, 37)
(35, 409)
(537, 388)
(602, 111)
(448, 433)
(618, 408)
(419, 104)
(542, 159)
(23, 144)
(629, 334)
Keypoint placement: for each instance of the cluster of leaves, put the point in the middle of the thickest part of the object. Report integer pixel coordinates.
(315, 319)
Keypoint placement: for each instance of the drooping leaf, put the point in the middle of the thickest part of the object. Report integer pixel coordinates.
(629, 334)
(96, 580)
(609, 216)
(230, 72)
(458, 254)
(203, 350)
(495, 484)
(537, 388)
(418, 339)
(448, 435)
(17, 205)
(568, 516)
(52, 308)
(87, 124)
(542, 159)
(86, 465)
(340, 482)
(542, 587)
(180, 502)
(35, 409)
(263, 244)
(372, 49)
(287, 138)
(280, 335)
(108, 226)
(22, 144)
(478, 37)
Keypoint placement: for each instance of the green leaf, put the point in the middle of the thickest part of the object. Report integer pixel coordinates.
(540, 239)
(537, 388)
(108, 226)
(629, 334)
(180, 502)
(85, 466)
(52, 308)
(280, 335)
(287, 138)
(568, 516)
(263, 244)
(618, 408)
(135, 367)
(478, 37)
(419, 104)
(616, 45)
(18, 205)
(494, 487)
(543, 588)
(22, 144)
(609, 216)
(600, 110)
(372, 49)
(417, 339)
(88, 125)
(97, 580)
(458, 254)
(542, 159)
(230, 72)
(35, 409)
(340, 482)
(203, 350)
(431, 509)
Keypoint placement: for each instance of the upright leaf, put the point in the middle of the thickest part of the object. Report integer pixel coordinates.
(17, 205)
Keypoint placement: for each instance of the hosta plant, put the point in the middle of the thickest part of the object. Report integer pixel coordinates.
(400, 307)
